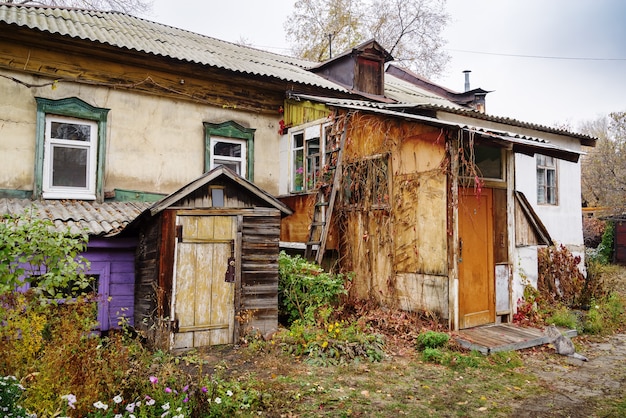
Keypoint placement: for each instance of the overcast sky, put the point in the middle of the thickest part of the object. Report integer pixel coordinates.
(545, 61)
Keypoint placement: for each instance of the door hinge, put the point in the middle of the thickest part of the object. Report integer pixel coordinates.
(179, 233)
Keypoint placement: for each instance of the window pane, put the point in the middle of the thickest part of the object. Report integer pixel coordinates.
(227, 149)
(70, 131)
(313, 162)
(298, 140)
(217, 197)
(489, 161)
(298, 162)
(69, 166)
(233, 165)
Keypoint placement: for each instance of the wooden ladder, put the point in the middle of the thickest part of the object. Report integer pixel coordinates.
(325, 202)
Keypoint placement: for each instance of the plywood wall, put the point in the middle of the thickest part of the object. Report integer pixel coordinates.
(401, 245)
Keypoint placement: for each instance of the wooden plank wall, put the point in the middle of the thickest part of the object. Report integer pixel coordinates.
(258, 308)
(146, 266)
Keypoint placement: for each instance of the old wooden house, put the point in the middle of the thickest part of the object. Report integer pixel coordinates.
(438, 206)
(103, 112)
(207, 263)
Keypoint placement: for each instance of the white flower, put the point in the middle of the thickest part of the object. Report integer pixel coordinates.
(166, 406)
(118, 416)
(131, 416)
(100, 405)
(179, 416)
(71, 400)
(150, 402)
(229, 393)
(117, 399)
(218, 400)
(131, 407)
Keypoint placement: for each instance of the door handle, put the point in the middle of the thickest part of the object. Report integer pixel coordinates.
(460, 250)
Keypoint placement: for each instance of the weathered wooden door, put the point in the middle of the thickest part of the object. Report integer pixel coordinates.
(203, 302)
(476, 267)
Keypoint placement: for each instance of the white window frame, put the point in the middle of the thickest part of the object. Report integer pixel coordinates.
(67, 192)
(544, 165)
(310, 132)
(241, 160)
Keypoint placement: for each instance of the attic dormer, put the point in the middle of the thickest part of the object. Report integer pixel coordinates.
(361, 69)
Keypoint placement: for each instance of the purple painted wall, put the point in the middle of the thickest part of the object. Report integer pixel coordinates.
(113, 260)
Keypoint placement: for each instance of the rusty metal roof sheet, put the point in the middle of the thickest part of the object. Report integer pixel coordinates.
(128, 32)
(97, 219)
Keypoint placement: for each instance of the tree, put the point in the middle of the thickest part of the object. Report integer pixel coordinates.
(410, 30)
(127, 6)
(604, 167)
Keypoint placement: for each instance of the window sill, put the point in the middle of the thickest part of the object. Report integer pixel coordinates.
(65, 195)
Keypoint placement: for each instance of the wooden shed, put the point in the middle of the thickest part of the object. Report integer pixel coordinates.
(207, 263)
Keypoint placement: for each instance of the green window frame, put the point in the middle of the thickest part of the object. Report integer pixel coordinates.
(234, 131)
(74, 108)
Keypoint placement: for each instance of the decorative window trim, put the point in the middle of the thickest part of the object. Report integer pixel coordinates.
(543, 185)
(230, 130)
(75, 108)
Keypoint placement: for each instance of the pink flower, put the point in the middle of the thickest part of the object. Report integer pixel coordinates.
(168, 390)
(204, 389)
(186, 388)
(154, 380)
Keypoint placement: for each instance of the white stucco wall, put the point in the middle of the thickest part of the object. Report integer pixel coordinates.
(154, 144)
(563, 221)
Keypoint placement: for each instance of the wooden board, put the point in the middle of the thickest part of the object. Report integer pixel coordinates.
(503, 337)
(203, 300)
(476, 267)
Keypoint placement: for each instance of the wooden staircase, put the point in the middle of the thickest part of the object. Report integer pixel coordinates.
(326, 196)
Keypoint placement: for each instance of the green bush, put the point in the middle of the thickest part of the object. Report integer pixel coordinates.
(563, 317)
(605, 315)
(331, 344)
(33, 251)
(304, 288)
(432, 355)
(605, 249)
(432, 339)
(594, 322)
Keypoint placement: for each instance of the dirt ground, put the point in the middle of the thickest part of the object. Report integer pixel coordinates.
(574, 388)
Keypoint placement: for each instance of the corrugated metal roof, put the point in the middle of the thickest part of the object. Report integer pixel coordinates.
(405, 92)
(398, 110)
(97, 219)
(125, 31)
(128, 32)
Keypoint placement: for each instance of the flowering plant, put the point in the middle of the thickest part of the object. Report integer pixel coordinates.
(10, 393)
(170, 403)
(298, 179)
